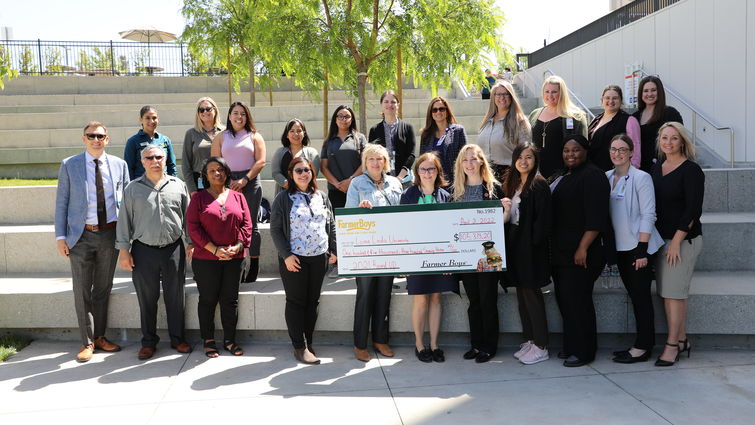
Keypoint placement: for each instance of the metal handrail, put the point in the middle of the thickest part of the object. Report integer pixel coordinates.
(701, 115)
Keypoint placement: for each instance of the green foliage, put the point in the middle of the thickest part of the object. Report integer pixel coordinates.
(10, 345)
(84, 62)
(26, 63)
(53, 61)
(6, 67)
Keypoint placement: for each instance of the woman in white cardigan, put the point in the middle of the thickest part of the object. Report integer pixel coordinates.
(632, 207)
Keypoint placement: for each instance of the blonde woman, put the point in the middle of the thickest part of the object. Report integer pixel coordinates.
(503, 128)
(552, 123)
(679, 185)
(198, 140)
(475, 182)
(373, 188)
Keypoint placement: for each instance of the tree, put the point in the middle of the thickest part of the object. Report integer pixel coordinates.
(26, 62)
(53, 59)
(6, 67)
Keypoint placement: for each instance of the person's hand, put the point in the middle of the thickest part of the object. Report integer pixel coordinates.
(673, 253)
(189, 252)
(332, 259)
(238, 185)
(506, 203)
(233, 249)
(343, 185)
(402, 174)
(285, 185)
(223, 254)
(580, 257)
(640, 263)
(292, 263)
(62, 247)
(126, 260)
(365, 204)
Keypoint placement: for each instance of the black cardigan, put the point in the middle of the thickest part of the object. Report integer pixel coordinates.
(580, 203)
(527, 245)
(600, 139)
(403, 144)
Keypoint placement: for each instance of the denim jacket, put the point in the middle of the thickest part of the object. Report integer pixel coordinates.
(362, 188)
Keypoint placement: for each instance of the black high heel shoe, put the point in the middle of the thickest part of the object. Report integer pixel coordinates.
(684, 345)
(665, 363)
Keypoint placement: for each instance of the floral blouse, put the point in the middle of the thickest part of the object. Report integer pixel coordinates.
(309, 236)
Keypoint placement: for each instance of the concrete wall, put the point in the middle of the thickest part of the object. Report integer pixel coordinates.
(704, 50)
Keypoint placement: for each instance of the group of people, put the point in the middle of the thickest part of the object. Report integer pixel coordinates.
(575, 196)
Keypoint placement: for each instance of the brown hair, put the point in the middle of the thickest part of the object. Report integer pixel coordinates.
(430, 127)
(94, 124)
(440, 180)
(660, 102)
(292, 188)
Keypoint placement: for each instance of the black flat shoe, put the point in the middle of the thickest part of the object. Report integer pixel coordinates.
(628, 358)
(563, 355)
(483, 357)
(621, 353)
(573, 361)
(425, 356)
(666, 363)
(438, 356)
(471, 354)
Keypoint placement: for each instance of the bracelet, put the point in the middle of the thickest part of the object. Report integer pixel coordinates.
(246, 178)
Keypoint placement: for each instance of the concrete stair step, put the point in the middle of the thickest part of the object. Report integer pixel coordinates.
(720, 303)
(727, 246)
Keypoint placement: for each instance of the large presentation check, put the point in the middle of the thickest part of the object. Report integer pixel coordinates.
(420, 239)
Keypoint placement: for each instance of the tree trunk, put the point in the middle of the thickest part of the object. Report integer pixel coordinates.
(399, 82)
(228, 69)
(252, 89)
(270, 88)
(325, 107)
(361, 88)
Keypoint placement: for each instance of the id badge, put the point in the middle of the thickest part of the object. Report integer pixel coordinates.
(570, 123)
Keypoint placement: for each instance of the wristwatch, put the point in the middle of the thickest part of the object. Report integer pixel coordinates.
(246, 178)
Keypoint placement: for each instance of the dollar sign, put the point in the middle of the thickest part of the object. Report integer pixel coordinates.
(456, 237)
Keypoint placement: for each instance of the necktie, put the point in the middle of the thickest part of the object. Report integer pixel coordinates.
(101, 211)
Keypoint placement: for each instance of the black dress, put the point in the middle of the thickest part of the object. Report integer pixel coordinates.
(649, 134)
(551, 147)
(600, 139)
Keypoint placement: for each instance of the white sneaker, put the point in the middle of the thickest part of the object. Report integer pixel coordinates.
(535, 355)
(523, 348)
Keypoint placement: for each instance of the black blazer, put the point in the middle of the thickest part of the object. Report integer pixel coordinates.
(403, 144)
(527, 245)
(580, 203)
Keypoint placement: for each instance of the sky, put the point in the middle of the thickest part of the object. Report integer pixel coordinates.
(528, 21)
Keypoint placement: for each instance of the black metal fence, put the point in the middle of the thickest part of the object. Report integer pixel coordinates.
(618, 18)
(40, 57)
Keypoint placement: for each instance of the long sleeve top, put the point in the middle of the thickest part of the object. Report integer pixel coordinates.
(362, 188)
(208, 221)
(280, 223)
(679, 199)
(196, 150)
(632, 208)
(133, 150)
(600, 139)
(403, 143)
(281, 159)
(447, 146)
(649, 134)
(497, 146)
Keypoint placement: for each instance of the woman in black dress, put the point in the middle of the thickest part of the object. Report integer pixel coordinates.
(475, 182)
(527, 246)
(396, 135)
(652, 112)
(553, 122)
(580, 214)
(426, 290)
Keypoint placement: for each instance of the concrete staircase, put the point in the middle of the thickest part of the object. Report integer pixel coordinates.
(38, 130)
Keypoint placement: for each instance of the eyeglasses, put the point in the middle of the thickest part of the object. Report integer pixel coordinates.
(343, 117)
(208, 109)
(302, 171)
(502, 95)
(441, 109)
(92, 136)
(154, 157)
(620, 151)
(430, 170)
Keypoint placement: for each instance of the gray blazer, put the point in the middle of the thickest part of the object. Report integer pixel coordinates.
(639, 209)
(72, 199)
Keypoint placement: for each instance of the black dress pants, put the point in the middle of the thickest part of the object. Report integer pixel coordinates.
(573, 285)
(93, 261)
(372, 306)
(303, 296)
(532, 314)
(337, 198)
(637, 283)
(153, 265)
(482, 291)
(218, 282)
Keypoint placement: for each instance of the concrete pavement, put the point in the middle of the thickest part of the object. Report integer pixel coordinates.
(43, 383)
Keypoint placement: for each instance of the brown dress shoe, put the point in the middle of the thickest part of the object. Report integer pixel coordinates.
(85, 354)
(383, 349)
(182, 347)
(305, 356)
(362, 354)
(101, 343)
(146, 353)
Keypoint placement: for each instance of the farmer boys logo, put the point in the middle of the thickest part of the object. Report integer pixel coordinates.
(362, 224)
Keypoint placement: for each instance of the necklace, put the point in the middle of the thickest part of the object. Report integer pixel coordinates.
(545, 127)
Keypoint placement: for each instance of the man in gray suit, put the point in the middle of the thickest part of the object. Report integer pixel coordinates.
(90, 190)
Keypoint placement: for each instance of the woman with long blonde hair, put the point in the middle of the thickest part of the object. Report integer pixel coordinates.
(552, 123)
(504, 127)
